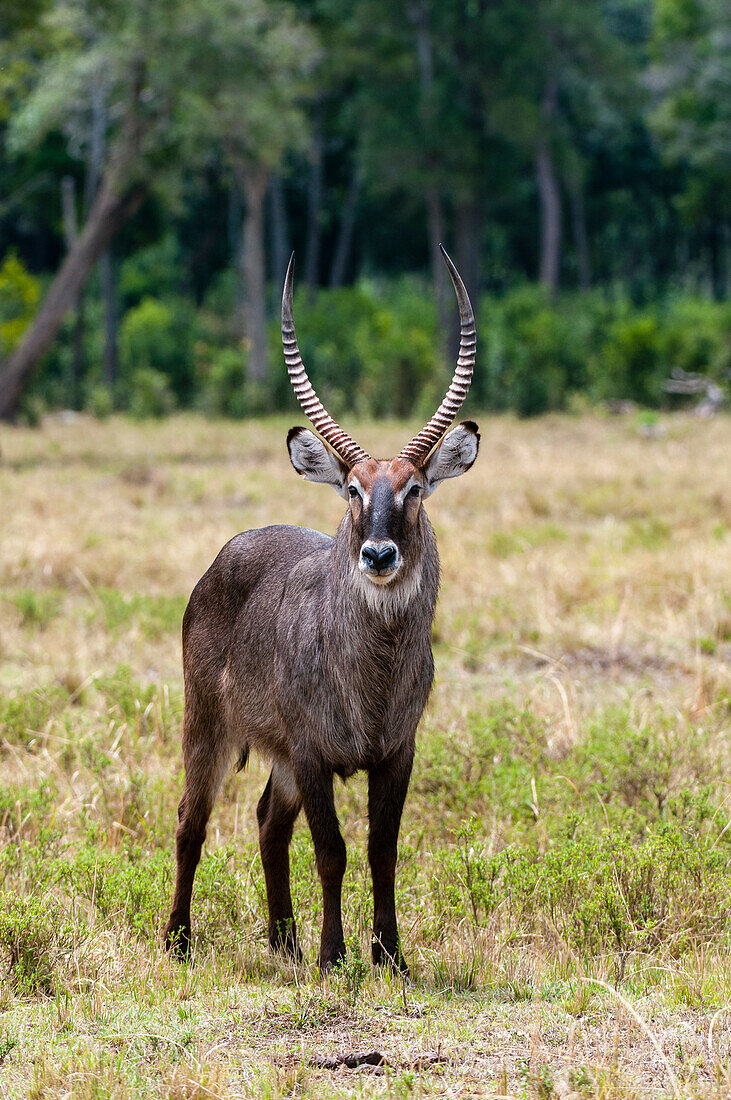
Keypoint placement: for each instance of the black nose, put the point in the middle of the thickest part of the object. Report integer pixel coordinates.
(380, 557)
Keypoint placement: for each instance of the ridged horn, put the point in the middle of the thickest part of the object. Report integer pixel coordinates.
(429, 436)
(345, 447)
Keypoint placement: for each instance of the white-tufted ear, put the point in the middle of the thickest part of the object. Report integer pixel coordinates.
(454, 455)
(314, 461)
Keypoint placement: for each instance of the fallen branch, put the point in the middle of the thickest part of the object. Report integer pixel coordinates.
(691, 384)
(374, 1058)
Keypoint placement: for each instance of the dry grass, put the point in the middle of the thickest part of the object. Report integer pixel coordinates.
(582, 644)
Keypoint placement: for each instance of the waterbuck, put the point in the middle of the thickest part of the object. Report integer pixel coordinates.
(316, 652)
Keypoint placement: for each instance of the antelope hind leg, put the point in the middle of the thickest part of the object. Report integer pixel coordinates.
(206, 755)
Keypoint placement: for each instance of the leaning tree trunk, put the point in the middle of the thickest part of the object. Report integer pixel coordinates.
(548, 194)
(253, 182)
(109, 211)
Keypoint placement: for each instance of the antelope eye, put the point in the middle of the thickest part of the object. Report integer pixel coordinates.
(353, 491)
(414, 490)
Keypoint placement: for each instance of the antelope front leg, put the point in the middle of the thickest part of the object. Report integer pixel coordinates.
(277, 811)
(387, 787)
(316, 786)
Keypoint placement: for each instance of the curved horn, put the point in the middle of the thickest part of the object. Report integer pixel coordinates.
(429, 436)
(347, 449)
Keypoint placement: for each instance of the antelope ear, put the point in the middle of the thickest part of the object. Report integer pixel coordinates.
(314, 461)
(454, 455)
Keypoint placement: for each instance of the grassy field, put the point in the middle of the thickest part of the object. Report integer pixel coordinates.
(565, 873)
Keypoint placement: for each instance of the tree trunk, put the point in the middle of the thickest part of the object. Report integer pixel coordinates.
(716, 258)
(345, 233)
(235, 215)
(71, 232)
(253, 183)
(314, 204)
(433, 199)
(279, 229)
(435, 228)
(581, 240)
(468, 245)
(108, 285)
(108, 213)
(106, 267)
(548, 194)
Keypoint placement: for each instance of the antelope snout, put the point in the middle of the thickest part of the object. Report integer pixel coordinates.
(379, 560)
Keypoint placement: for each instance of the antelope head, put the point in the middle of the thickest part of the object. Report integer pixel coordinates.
(384, 495)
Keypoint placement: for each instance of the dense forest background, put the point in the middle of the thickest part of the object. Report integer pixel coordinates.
(159, 159)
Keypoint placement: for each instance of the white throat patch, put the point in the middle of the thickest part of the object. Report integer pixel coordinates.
(387, 599)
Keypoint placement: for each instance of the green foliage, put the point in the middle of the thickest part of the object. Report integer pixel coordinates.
(100, 402)
(226, 391)
(150, 394)
(129, 699)
(605, 891)
(151, 271)
(534, 351)
(37, 608)
(630, 364)
(396, 348)
(630, 99)
(696, 336)
(372, 347)
(147, 336)
(24, 715)
(155, 615)
(539, 355)
(129, 885)
(33, 935)
(691, 53)
(19, 295)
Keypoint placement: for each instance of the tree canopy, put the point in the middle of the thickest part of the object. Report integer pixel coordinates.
(581, 145)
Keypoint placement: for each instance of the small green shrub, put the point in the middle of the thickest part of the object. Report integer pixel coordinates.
(131, 885)
(605, 891)
(151, 271)
(33, 937)
(157, 336)
(124, 694)
(156, 615)
(696, 336)
(23, 715)
(630, 363)
(150, 395)
(226, 389)
(19, 296)
(100, 401)
(37, 608)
